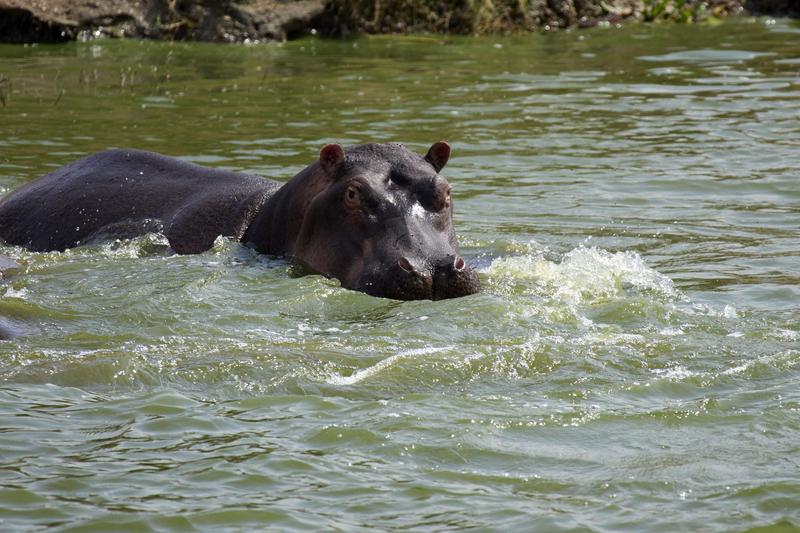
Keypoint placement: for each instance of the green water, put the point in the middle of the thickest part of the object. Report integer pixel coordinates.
(631, 200)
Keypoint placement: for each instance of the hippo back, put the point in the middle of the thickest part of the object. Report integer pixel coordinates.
(123, 193)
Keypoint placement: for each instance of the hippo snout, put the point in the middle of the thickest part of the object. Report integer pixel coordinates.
(450, 277)
(453, 278)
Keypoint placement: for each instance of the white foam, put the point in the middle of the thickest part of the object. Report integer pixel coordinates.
(728, 311)
(583, 274)
(11, 292)
(364, 373)
(674, 373)
(785, 359)
(787, 334)
(133, 248)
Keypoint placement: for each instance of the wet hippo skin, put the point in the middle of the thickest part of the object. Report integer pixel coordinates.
(377, 217)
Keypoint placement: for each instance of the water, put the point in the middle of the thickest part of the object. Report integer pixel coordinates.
(629, 197)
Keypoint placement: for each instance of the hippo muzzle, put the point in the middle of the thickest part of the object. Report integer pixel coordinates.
(449, 277)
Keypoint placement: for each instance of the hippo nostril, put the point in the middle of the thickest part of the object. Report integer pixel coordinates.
(459, 264)
(405, 264)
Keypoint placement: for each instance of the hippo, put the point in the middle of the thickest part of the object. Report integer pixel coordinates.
(377, 217)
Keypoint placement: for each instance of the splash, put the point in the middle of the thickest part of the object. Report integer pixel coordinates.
(583, 275)
(136, 247)
(383, 364)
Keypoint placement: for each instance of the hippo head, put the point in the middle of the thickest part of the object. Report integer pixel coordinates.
(380, 219)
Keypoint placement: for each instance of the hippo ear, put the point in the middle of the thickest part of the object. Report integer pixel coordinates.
(438, 155)
(331, 157)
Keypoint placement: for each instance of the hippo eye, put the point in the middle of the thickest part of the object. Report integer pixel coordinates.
(400, 179)
(352, 196)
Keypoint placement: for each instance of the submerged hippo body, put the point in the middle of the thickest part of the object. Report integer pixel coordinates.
(377, 217)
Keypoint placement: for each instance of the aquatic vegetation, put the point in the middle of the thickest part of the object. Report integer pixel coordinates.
(675, 10)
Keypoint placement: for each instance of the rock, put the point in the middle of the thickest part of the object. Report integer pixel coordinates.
(789, 8)
(24, 21)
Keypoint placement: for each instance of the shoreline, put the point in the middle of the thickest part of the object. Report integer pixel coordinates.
(243, 21)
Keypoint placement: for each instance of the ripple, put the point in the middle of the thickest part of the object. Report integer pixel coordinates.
(708, 56)
(627, 196)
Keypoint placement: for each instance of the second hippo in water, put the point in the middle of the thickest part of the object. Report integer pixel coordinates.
(377, 217)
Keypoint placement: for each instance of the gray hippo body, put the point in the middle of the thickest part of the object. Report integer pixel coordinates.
(122, 193)
(377, 217)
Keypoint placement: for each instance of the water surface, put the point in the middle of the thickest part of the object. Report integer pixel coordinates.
(629, 197)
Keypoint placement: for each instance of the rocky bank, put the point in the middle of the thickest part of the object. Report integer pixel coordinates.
(23, 21)
(208, 20)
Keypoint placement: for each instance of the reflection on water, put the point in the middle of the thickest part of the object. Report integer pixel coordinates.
(628, 196)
